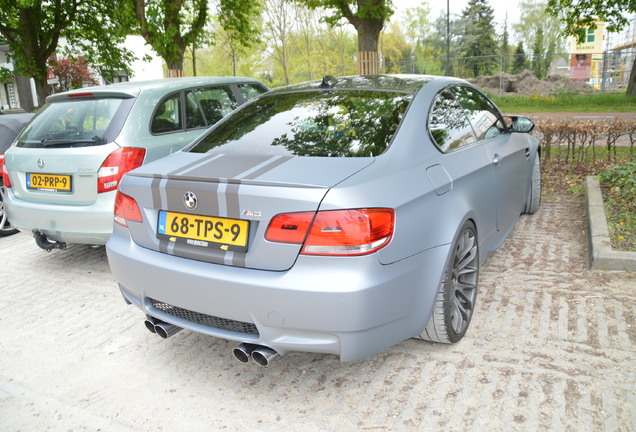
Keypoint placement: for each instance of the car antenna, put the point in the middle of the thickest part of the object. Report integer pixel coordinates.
(328, 81)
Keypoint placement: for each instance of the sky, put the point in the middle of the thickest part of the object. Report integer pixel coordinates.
(457, 6)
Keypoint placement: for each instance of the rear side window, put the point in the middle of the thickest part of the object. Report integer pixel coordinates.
(216, 102)
(346, 123)
(76, 123)
(167, 117)
(203, 107)
(448, 125)
(250, 91)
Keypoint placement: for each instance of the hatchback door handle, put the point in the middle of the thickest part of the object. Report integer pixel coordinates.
(497, 159)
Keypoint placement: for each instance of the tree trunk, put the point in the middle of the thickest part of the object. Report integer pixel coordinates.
(368, 38)
(631, 86)
(194, 60)
(175, 68)
(42, 89)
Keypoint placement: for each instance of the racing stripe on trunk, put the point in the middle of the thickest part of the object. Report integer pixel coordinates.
(158, 190)
(232, 197)
(266, 166)
(220, 196)
(233, 208)
(222, 167)
(203, 161)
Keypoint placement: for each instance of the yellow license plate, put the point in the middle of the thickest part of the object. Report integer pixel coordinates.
(204, 231)
(49, 182)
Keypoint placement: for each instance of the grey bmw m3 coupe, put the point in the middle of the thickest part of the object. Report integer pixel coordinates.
(341, 216)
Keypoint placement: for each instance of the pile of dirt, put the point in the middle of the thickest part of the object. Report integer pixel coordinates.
(526, 83)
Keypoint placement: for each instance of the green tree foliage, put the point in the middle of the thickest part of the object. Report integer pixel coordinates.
(520, 63)
(505, 48)
(540, 61)
(280, 25)
(426, 38)
(73, 73)
(532, 15)
(225, 54)
(582, 14)
(92, 29)
(478, 40)
(396, 52)
(367, 16)
(171, 26)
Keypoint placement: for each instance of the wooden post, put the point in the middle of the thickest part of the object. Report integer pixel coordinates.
(368, 63)
(175, 73)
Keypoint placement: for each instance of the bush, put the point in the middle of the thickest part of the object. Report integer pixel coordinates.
(582, 138)
(619, 184)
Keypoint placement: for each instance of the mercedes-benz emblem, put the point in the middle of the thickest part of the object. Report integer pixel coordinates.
(40, 163)
(190, 200)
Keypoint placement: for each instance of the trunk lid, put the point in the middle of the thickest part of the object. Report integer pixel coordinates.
(57, 175)
(242, 192)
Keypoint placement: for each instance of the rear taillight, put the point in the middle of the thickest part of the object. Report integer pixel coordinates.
(116, 165)
(334, 232)
(126, 209)
(4, 173)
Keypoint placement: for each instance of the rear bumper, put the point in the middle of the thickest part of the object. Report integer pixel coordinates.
(90, 224)
(349, 306)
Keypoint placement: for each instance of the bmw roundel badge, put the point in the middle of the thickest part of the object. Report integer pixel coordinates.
(190, 200)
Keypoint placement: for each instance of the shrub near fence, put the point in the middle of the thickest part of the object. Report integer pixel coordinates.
(579, 140)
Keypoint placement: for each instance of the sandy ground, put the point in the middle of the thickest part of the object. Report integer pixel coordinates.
(551, 348)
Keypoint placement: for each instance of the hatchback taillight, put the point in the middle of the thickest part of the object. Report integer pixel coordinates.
(4, 173)
(126, 209)
(116, 165)
(334, 232)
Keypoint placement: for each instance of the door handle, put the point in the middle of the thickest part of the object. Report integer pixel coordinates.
(527, 152)
(496, 160)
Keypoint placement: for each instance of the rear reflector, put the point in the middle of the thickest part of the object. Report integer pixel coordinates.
(116, 165)
(289, 228)
(126, 210)
(334, 232)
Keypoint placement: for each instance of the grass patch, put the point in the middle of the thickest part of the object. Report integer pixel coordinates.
(597, 102)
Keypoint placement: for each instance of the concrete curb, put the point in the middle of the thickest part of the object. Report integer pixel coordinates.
(601, 254)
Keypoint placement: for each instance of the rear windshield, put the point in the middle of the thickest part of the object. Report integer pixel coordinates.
(76, 123)
(334, 123)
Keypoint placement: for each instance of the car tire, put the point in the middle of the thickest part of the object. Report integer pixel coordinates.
(534, 194)
(456, 295)
(5, 226)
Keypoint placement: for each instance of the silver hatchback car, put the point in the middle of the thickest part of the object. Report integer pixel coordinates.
(62, 173)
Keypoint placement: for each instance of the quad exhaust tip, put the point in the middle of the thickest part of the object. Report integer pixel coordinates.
(262, 355)
(163, 329)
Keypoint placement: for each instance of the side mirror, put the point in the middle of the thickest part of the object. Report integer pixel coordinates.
(519, 124)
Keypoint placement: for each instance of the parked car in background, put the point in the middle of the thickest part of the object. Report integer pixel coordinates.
(338, 217)
(62, 173)
(10, 127)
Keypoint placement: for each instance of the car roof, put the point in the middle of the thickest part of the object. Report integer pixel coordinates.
(400, 83)
(133, 88)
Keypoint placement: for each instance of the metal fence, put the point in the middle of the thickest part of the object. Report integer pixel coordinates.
(607, 71)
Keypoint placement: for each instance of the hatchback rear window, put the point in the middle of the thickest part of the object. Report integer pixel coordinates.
(335, 123)
(76, 123)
